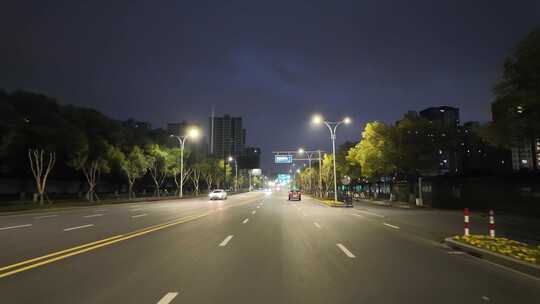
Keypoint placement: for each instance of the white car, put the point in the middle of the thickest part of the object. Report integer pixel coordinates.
(218, 194)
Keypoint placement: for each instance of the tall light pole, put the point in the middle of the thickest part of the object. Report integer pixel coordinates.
(332, 127)
(193, 133)
(235, 172)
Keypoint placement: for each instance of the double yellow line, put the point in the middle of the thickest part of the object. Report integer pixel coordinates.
(60, 255)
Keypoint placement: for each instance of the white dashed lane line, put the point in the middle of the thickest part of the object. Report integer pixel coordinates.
(139, 215)
(78, 227)
(317, 225)
(371, 213)
(346, 251)
(168, 298)
(15, 227)
(253, 212)
(226, 241)
(93, 215)
(245, 221)
(100, 210)
(391, 226)
(45, 216)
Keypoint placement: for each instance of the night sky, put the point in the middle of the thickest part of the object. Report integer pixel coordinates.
(272, 62)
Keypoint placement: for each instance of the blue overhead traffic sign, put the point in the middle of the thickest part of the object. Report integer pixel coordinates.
(283, 159)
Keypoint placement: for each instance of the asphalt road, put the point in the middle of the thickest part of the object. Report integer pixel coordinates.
(252, 248)
(436, 224)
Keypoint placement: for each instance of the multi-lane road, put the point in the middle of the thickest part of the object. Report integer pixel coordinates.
(251, 248)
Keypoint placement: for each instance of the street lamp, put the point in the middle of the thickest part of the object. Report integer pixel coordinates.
(236, 172)
(300, 151)
(192, 133)
(332, 127)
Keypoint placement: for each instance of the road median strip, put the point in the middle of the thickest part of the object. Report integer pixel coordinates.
(12, 269)
(508, 253)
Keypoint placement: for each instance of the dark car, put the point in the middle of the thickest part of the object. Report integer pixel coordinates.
(295, 195)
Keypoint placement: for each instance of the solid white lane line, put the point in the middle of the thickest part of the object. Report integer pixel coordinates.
(139, 215)
(245, 221)
(15, 227)
(345, 250)
(168, 298)
(45, 216)
(137, 209)
(371, 213)
(391, 226)
(317, 225)
(94, 215)
(357, 214)
(79, 227)
(253, 212)
(226, 240)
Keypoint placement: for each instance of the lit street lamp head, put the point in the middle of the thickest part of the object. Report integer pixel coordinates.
(317, 119)
(193, 133)
(347, 120)
(230, 158)
(300, 151)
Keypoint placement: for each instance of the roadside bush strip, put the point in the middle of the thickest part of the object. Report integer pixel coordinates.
(529, 269)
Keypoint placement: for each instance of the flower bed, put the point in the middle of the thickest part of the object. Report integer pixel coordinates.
(504, 246)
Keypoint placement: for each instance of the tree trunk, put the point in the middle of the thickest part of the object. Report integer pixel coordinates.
(130, 189)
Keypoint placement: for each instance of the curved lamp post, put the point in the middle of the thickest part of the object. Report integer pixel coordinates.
(192, 133)
(332, 127)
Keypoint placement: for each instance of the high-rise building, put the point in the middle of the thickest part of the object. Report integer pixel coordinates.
(443, 115)
(251, 158)
(227, 137)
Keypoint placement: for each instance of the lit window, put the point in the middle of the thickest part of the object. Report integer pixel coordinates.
(524, 161)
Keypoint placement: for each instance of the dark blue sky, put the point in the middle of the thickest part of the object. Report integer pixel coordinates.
(272, 62)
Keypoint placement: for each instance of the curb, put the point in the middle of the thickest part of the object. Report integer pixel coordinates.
(523, 267)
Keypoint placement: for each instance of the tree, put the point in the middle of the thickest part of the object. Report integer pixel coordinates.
(516, 109)
(374, 153)
(196, 173)
(209, 170)
(343, 165)
(174, 167)
(40, 172)
(220, 176)
(134, 165)
(159, 162)
(91, 161)
(327, 174)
